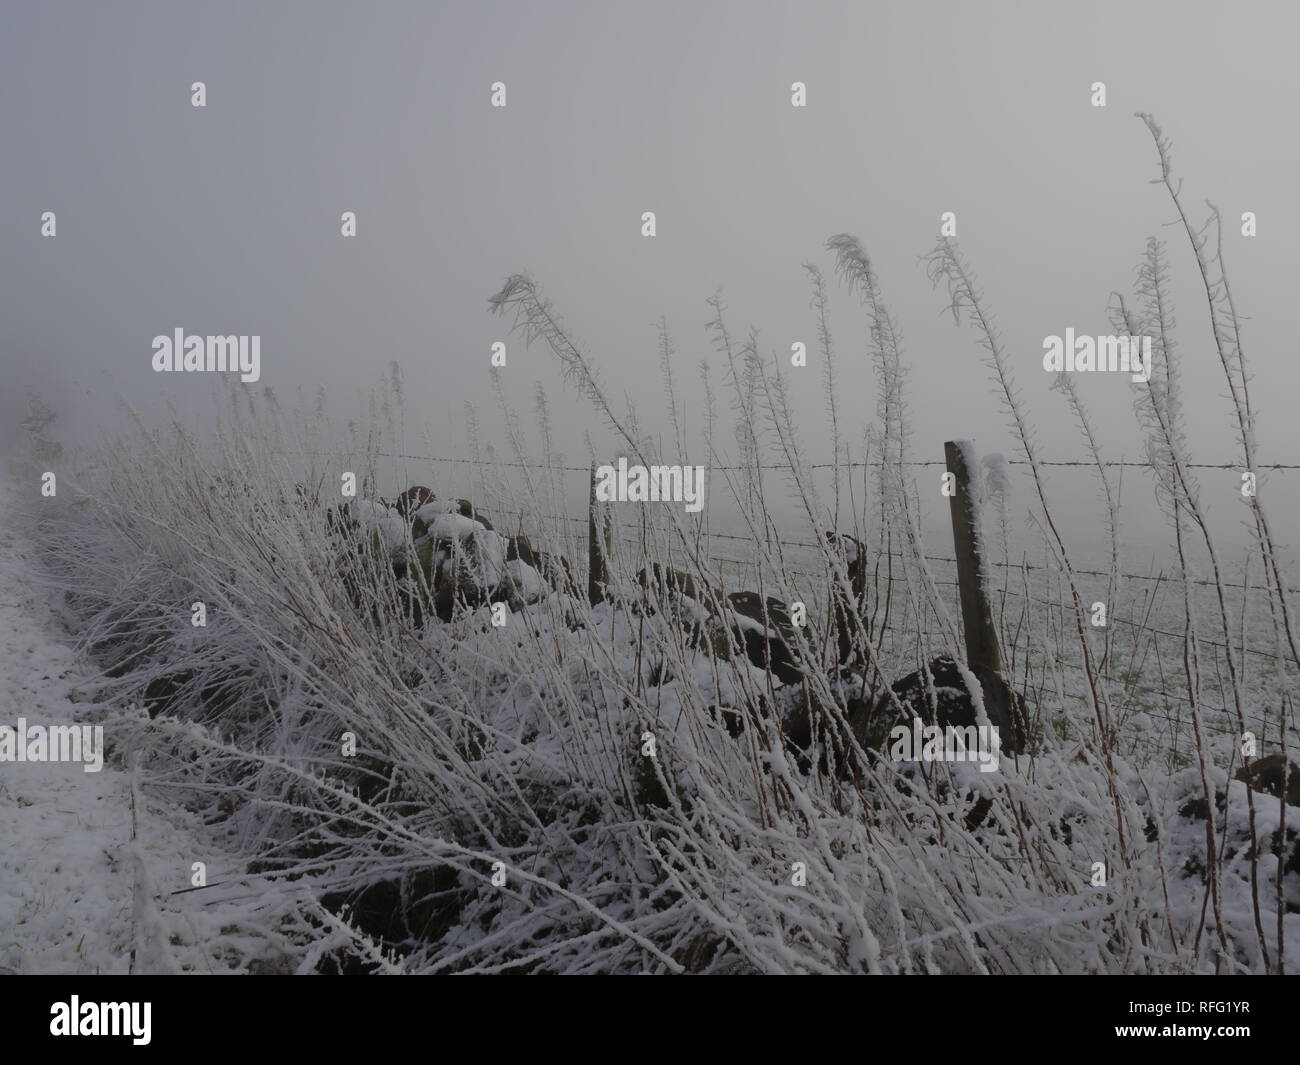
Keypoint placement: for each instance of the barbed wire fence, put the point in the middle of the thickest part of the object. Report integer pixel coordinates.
(794, 541)
(846, 465)
(1162, 703)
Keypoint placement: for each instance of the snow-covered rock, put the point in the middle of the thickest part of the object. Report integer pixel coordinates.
(444, 526)
(524, 581)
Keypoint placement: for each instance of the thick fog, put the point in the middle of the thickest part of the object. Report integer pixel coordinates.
(226, 218)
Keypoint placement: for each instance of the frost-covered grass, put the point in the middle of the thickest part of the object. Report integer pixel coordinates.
(485, 751)
(95, 878)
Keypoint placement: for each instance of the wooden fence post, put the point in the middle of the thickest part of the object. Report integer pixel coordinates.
(597, 560)
(976, 612)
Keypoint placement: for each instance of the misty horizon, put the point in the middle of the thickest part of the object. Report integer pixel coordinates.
(225, 219)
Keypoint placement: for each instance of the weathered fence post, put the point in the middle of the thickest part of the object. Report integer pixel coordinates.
(976, 612)
(597, 560)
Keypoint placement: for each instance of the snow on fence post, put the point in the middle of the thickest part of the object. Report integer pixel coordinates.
(597, 560)
(976, 612)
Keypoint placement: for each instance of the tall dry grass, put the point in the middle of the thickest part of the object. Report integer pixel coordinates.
(518, 750)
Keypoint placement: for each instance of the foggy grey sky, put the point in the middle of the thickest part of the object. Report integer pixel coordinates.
(226, 219)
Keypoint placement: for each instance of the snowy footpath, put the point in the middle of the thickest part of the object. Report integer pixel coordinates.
(77, 893)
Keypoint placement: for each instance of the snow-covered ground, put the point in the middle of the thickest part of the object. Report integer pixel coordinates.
(69, 869)
(509, 749)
